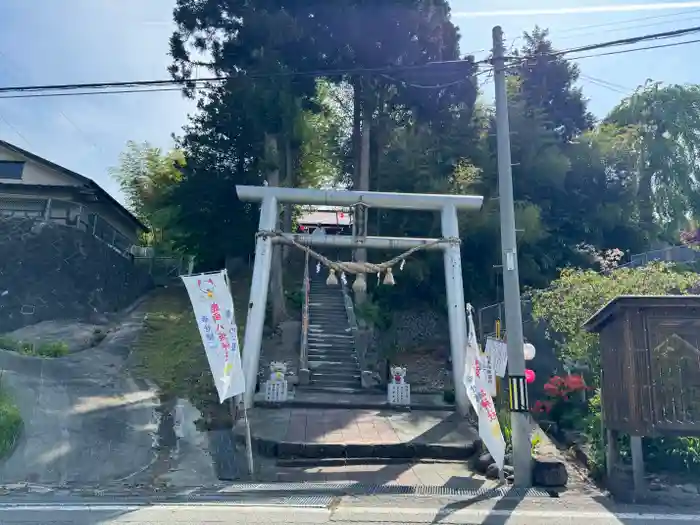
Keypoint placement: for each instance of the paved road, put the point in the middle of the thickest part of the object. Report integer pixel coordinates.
(352, 511)
(84, 421)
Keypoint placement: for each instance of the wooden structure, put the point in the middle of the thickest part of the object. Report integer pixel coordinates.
(650, 360)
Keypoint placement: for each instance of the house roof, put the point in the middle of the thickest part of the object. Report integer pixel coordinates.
(81, 179)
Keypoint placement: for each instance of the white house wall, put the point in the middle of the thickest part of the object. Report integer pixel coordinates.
(35, 173)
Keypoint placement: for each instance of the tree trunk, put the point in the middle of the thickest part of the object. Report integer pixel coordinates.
(361, 253)
(289, 182)
(356, 131)
(276, 295)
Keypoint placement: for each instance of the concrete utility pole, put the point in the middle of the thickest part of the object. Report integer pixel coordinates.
(517, 385)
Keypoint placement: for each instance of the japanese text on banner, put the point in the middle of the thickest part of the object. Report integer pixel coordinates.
(213, 310)
(475, 381)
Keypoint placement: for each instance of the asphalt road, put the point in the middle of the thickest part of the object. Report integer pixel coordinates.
(355, 511)
(85, 421)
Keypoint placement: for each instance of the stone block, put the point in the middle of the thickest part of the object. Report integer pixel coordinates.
(304, 376)
(483, 462)
(549, 472)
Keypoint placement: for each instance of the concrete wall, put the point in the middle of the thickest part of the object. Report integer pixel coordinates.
(49, 271)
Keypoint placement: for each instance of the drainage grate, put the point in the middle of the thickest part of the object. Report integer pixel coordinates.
(312, 501)
(369, 489)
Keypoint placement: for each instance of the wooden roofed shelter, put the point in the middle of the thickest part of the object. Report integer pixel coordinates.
(650, 360)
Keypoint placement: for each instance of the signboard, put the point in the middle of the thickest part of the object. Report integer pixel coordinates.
(213, 309)
(498, 353)
(478, 388)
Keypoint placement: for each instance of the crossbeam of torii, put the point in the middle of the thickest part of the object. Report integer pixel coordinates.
(271, 197)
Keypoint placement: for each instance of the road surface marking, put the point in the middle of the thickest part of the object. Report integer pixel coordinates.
(394, 513)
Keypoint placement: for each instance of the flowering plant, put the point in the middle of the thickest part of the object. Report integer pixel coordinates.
(565, 402)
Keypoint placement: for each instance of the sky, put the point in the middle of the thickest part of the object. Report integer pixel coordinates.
(73, 41)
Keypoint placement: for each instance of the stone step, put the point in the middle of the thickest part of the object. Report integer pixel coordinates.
(333, 383)
(336, 329)
(340, 353)
(340, 338)
(335, 376)
(331, 355)
(328, 344)
(334, 357)
(346, 360)
(321, 348)
(331, 337)
(323, 367)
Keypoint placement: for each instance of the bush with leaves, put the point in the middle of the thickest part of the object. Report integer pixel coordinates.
(571, 300)
(565, 404)
(577, 294)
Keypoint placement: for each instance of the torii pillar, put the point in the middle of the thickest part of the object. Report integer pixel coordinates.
(447, 205)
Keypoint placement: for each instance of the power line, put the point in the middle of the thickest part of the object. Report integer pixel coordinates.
(631, 40)
(619, 29)
(607, 85)
(622, 51)
(148, 86)
(209, 80)
(106, 92)
(630, 21)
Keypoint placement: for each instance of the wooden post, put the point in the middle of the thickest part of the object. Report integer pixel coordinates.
(637, 465)
(611, 453)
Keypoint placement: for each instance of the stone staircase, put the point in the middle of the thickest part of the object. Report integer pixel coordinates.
(331, 346)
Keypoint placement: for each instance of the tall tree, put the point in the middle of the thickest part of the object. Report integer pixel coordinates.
(546, 83)
(148, 177)
(666, 123)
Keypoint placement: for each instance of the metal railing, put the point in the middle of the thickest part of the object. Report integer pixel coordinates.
(305, 288)
(164, 270)
(67, 213)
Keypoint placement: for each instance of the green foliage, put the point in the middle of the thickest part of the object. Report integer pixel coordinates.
(45, 349)
(374, 315)
(577, 294)
(147, 177)
(593, 429)
(506, 427)
(660, 454)
(546, 84)
(665, 120)
(10, 423)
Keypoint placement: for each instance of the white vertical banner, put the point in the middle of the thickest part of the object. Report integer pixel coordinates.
(476, 383)
(213, 310)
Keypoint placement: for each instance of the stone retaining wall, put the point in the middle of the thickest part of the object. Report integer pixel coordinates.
(49, 271)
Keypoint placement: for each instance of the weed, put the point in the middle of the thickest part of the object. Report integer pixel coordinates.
(10, 424)
(46, 349)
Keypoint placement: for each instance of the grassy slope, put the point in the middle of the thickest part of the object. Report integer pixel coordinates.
(10, 424)
(170, 352)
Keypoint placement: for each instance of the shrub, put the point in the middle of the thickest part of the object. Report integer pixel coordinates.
(10, 424)
(565, 404)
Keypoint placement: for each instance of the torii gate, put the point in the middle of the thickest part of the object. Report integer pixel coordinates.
(271, 197)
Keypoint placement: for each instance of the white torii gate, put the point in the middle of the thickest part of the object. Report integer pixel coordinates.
(271, 197)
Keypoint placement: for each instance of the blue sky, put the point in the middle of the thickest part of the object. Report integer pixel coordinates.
(50, 42)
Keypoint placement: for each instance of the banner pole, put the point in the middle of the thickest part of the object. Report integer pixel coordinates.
(248, 444)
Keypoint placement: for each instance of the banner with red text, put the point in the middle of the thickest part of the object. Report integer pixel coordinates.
(477, 384)
(213, 310)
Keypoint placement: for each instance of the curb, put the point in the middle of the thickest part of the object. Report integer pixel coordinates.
(321, 405)
(357, 451)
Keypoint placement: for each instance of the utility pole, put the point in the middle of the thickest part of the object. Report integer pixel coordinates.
(519, 417)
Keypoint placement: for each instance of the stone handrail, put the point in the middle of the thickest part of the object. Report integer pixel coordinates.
(304, 372)
(352, 321)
